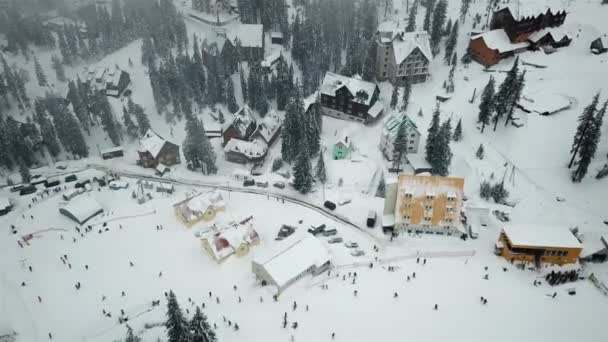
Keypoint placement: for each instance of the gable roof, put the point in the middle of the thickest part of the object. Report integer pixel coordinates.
(408, 42)
(521, 9)
(270, 126)
(151, 142)
(250, 149)
(81, 209)
(498, 40)
(541, 236)
(556, 33)
(250, 35)
(332, 82)
(242, 120)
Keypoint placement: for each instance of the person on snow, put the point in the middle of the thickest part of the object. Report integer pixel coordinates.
(295, 325)
(395, 295)
(295, 305)
(333, 335)
(236, 326)
(436, 307)
(355, 293)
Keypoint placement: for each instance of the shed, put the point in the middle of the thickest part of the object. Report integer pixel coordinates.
(600, 45)
(343, 147)
(82, 209)
(290, 260)
(418, 163)
(276, 38)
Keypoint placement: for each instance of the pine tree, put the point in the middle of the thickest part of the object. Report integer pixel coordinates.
(486, 107)
(66, 124)
(5, 148)
(588, 142)
(140, 115)
(444, 153)
(200, 330)
(407, 90)
(516, 96)
(130, 126)
(411, 21)
(381, 190)
(108, 121)
(20, 149)
(130, 336)
(449, 84)
(450, 44)
(504, 98)
(197, 148)
(400, 145)
(176, 323)
(80, 109)
(292, 133)
(220, 116)
(233, 107)
(448, 28)
(26, 176)
(47, 129)
(458, 131)
(148, 56)
(439, 16)
(302, 171)
(430, 4)
(42, 81)
(57, 65)
(320, 172)
(464, 9)
(394, 97)
(480, 152)
(243, 84)
(312, 132)
(431, 139)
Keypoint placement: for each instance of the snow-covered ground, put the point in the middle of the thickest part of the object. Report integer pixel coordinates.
(531, 158)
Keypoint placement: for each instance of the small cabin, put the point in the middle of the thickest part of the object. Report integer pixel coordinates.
(343, 148)
(111, 153)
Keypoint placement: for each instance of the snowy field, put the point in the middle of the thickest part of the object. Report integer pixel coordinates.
(532, 159)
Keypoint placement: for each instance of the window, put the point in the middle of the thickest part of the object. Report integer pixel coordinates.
(411, 143)
(430, 197)
(385, 59)
(384, 73)
(386, 53)
(413, 135)
(428, 207)
(427, 218)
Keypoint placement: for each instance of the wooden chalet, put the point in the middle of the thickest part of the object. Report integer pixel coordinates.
(350, 98)
(242, 127)
(155, 150)
(521, 18)
(490, 47)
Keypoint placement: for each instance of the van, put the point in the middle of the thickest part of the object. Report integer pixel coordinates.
(371, 219)
(330, 232)
(30, 189)
(329, 205)
(316, 230)
(70, 178)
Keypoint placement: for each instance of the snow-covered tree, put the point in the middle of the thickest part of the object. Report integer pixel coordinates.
(505, 96)
(292, 133)
(108, 121)
(302, 171)
(486, 107)
(128, 123)
(394, 97)
(131, 337)
(444, 154)
(464, 9)
(439, 17)
(176, 323)
(80, 109)
(200, 329)
(40, 75)
(59, 68)
(320, 171)
(400, 145)
(24, 171)
(450, 44)
(430, 4)
(369, 65)
(197, 148)
(480, 152)
(407, 91)
(458, 131)
(586, 138)
(411, 19)
(432, 137)
(381, 190)
(143, 123)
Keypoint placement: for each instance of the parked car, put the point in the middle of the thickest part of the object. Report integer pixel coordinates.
(286, 230)
(262, 184)
(249, 182)
(117, 185)
(335, 239)
(351, 244)
(330, 232)
(61, 167)
(280, 185)
(30, 189)
(357, 253)
(316, 230)
(344, 201)
(71, 178)
(17, 188)
(329, 205)
(52, 182)
(371, 219)
(82, 184)
(501, 215)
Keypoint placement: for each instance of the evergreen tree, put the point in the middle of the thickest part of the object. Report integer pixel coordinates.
(444, 153)
(448, 28)
(67, 127)
(63, 47)
(480, 152)
(449, 84)
(411, 20)
(25, 173)
(450, 44)
(233, 107)
(130, 126)
(320, 172)
(302, 171)
(284, 84)
(105, 112)
(200, 330)
(19, 148)
(516, 96)
(57, 65)
(426, 26)
(47, 129)
(130, 336)
(439, 16)
(80, 109)
(220, 116)
(197, 148)
(431, 139)
(587, 138)
(292, 133)
(505, 96)
(42, 81)
(312, 132)
(5, 148)
(381, 190)
(486, 107)
(458, 131)
(176, 323)
(369, 66)
(243, 85)
(394, 97)
(400, 145)
(464, 9)
(148, 56)
(407, 90)
(140, 115)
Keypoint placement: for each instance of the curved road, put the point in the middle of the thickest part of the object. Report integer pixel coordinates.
(240, 189)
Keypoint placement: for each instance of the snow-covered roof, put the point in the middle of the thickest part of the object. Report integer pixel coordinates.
(344, 140)
(271, 59)
(292, 256)
(310, 100)
(419, 162)
(557, 33)
(543, 102)
(195, 207)
(251, 149)
(111, 150)
(81, 209)
(541, 236)
(592, 243)
(225, 240)
(407, 42)
(391, 125)
(151, 142)
(332, 82)
(375, 110)
(498, 40)
(270, 126)
(388, 219)
(99, 72)
(276, 34)
(250, 35)
(521, 9)
(242, 120)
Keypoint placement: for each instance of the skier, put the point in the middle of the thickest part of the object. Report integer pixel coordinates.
(209, 294)
(261, 299)
(22, 284)
(234, 287)
(395, 295)
(306, 307)
(408, 278)
(239, 299)
(236, 327)
(424, 262)
(86, 267)
(436, 307)
(414, 275)
(333, 335)
(39, 299)
(103, 297)
(50, 336)
(123, 293)
(486, 277)
(295, 305)
(160, 274)
(131, 263)
(355, 293)
(30, 268)
(295, 325)
(217, 300)
(554, 294)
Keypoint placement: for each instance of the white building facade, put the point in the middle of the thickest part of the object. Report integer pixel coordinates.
(403, 55)
(389, 133)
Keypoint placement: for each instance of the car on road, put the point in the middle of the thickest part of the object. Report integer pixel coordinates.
(335, 239)
(286, 230)
(330, 232)
(501, 215)
(248, 182)
(280, 185)
(316, 230)
(70, 178)
(329, 205)
(371, 219)
(351, 244)
(262, 184)
(357, 253)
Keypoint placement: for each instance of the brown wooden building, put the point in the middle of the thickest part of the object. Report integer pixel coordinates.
(155, 150)
(524, 17)
(242, 127)
(538, 245)
(490, 47)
